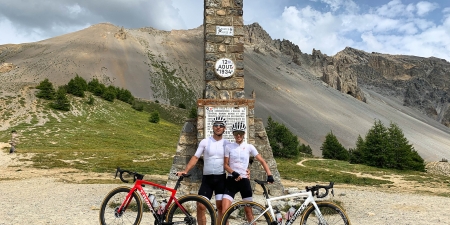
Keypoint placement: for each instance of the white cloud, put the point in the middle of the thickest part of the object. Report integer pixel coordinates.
(391, 28)
(418, 27)
(424, 8)
(393, 9)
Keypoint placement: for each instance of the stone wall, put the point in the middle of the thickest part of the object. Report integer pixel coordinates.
(223, 13)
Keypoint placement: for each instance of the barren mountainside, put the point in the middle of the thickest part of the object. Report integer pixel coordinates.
(312, 94)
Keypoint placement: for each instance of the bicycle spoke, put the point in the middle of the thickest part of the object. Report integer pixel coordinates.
(331, 213)
(193, 210)
(109, 214)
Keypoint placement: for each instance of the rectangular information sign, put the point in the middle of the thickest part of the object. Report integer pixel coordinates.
(224, 30)
(231, 114)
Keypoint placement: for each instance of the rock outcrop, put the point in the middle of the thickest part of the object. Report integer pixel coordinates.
(333, 70)
(6, 67)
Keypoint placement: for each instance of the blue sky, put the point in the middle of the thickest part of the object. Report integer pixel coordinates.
(410, 27)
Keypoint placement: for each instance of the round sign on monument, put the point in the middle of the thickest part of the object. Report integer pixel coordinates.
(225, 67)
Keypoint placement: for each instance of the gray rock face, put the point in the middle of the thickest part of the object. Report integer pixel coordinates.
(420, 83)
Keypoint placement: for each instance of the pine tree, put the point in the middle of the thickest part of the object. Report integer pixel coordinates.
(332, 149)
(356, 154)
(306, 149)
(124, 95)
(46, 90)
(376, 146)
(282, 141)
(77, 86)
(403, 154)
(61, 102)
(109, 94)
(95, 87)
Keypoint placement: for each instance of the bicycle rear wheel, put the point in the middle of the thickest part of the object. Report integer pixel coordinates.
(131, 215)
(245, 212)
(189, 213)
(332, 213)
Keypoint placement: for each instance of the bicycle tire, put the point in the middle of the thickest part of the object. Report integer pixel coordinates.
(332, 213)
(189, 202)
(132, 215)
(235, 214)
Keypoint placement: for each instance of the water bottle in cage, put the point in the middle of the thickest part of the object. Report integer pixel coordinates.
(289, 214)
(162, 206)
(279, 217)
(153, 200)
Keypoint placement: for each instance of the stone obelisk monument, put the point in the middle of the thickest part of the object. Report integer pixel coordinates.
(223, 95)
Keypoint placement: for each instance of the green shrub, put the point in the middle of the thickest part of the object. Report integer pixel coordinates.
(109, 94)
(95, 87)
(46, 90)
(90, 100)
(193, 113)
(282, 141)
(124, 95)
(137, 106)
(305, 149)
(154, 117)
(61, 102)
(77, 86)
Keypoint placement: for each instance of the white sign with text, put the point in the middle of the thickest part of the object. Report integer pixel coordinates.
(224, 31)
(225, 67)
(231, 114)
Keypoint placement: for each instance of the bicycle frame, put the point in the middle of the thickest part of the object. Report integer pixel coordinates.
(309, 195)
(139, 187)
(309, 199)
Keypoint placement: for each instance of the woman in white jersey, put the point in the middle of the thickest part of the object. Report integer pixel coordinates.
(213, 180)
(236, 161)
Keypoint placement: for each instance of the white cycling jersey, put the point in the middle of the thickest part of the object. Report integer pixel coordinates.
(239, 156)
(213, 154)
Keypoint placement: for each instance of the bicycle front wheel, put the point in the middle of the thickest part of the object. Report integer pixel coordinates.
(331, 213)
(247, 213)
(131, 215)
(194, 209)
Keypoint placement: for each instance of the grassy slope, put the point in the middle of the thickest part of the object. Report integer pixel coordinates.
(99, 138)
(105, 135)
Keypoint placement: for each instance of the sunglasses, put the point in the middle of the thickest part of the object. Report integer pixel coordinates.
(240, 133)
(219, 125)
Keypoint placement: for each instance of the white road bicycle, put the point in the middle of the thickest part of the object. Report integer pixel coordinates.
(311, 212)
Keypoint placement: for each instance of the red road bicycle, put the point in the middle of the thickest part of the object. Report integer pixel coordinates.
(123, 205)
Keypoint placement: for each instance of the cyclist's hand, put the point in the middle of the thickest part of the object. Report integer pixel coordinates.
(180, 173)
(236, 175)
(248, 173)
(270, 179)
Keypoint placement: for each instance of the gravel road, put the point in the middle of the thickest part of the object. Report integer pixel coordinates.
(47, 201)
(32, 196)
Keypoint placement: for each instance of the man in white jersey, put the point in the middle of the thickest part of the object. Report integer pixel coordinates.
(213, 180)
(236, 162)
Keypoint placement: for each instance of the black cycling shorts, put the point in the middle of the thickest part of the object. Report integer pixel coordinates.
(243, 186)
(212, 183)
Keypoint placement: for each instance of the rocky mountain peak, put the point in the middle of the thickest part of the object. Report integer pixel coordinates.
(255, 34)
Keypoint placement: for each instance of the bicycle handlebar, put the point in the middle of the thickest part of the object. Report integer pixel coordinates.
(313, 189)
(138, 176)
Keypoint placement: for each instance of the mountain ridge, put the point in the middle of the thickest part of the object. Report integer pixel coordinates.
(168, 66)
